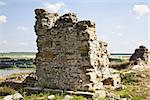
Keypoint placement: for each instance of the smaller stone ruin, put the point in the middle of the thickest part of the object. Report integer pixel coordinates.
(140, 58)
(140, 53)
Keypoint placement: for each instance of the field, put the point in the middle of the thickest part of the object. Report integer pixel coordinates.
(136, 84)
(18, 55)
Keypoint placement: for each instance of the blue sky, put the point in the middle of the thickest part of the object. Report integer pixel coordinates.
(122, 23)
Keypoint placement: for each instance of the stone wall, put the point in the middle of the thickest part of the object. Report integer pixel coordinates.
(69, 54)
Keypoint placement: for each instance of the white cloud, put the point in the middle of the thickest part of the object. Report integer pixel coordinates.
(3, 19)
(2, 3)
(54, 7)
(140, 10)
(23, 28)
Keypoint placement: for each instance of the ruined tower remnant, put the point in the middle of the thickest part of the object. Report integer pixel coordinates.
(69, 54)
(141, 53)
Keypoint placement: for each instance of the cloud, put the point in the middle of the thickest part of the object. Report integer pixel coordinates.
(54, 7)
(23, 28)
(2, 3)
(140, 10)
(3, 19)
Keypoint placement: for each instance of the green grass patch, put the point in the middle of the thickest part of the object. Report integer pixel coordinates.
(135, 85)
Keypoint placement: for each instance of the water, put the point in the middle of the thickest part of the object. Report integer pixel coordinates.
(6, 72)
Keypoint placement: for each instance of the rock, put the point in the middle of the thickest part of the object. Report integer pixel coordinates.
(8, 97)
(68, 97)
(126, 99)
(40, 98)
(111, 96)
(30, 80)
(17, 96)
(99, 94)
(140, 64)
(51, 97)
(114, 80)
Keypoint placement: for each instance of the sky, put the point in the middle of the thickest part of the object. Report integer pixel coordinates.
(123, 24)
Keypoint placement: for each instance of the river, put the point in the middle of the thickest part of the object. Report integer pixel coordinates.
(6, 72)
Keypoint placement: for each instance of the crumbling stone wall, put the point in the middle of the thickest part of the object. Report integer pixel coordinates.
(69, 54)
(140, 53)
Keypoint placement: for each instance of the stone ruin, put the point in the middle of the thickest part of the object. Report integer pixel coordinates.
(140, 58)
(140, 53)
(69, 55)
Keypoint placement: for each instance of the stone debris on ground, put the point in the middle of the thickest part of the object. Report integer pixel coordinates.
(100, 94)
(69, 53)
(51, 97)
(30, 80)
(16, 96)
(68, 97)
(8, 97)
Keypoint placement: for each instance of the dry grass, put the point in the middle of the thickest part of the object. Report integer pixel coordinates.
(137, 85)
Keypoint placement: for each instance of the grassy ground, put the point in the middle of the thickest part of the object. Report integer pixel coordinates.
(137, 85)
(35, 96)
